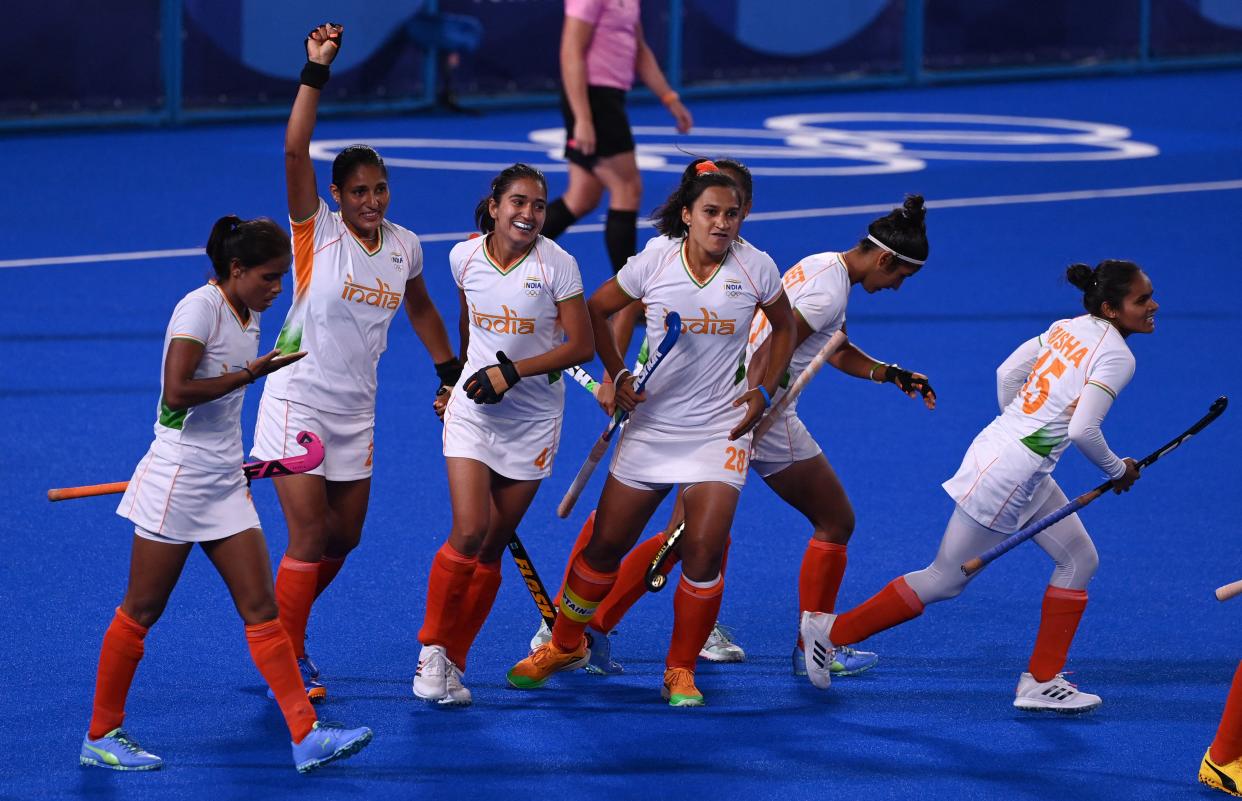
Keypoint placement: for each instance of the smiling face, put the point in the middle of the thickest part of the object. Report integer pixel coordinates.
(520, 212)
(713, 220)
(363, 199)
(1137, 312)
(258, 287)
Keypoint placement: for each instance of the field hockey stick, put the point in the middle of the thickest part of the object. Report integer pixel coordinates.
(673, 325)
(271, 468)
(534, 585)
(1228, 591)
(1017, 538)
(655, 577)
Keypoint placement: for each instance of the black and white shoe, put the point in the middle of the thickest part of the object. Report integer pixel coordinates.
(817, 649)
(1057, 695)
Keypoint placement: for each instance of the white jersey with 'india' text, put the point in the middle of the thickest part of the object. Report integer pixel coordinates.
(344, 300)
(514, 310)
(207, 436)
(704, 373)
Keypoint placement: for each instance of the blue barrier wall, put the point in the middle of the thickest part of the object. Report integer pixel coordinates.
(182, 60)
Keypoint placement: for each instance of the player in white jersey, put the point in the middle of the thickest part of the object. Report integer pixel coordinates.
(691, 427)
(353, 270)
(523, 320)
(189, 489)
(1054, 389)
(788, 458)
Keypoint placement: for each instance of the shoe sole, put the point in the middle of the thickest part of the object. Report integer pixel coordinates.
(721, 659)
(523, 683)
(344, 752)
(855, 671)
(95, 763)
(1215, 783)
(682, 700)
(596, 670)
(448, 702)
(1060, 710)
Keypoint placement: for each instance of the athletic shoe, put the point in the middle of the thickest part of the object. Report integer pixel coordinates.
(679, 689)
(542, 636)
(458, 694)
(1057, 695)
(846, 661)
(328, 742)
(118, 751)
(720, 646)
(535, 670)
(1227, 777)
(601, 663)
(315, 691)
(818, 652)
(431, 676)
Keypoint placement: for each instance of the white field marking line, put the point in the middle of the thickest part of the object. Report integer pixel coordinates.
(760, 216)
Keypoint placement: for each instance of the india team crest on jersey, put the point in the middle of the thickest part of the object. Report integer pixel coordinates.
(732, 287)
(398, 260)
(533, 285)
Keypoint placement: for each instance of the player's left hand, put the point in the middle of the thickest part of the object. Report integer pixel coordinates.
(681, 115)
(441, 402)
(755, 407)
(913, 384)
(489, 384)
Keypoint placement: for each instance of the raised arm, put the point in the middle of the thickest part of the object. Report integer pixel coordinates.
(322, 45)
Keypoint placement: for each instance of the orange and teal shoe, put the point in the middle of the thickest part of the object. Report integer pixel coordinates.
(118, 751)
(535, 670)
(1226, 778)
(679, 689)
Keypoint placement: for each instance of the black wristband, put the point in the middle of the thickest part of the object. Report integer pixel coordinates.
(449, 372)
(252, 377)
(315, 75)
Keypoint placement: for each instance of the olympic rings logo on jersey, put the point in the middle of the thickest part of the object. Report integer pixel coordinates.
(733, 287)
(798, 145)
(533, 286)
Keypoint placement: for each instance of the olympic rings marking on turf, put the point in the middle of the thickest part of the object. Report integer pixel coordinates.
(809, 144)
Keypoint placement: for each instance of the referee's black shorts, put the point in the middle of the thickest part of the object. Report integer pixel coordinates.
(612, 127)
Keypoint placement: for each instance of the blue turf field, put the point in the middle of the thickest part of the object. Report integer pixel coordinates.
(79, 355)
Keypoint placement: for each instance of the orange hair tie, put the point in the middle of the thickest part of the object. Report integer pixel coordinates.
(704, 166)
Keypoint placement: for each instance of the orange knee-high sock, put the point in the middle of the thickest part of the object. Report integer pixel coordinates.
(329, 566)
(1058, 621)
(585, 587)
(118, 659)
(272, 653)
(447, 585)
(823, 566)
(891, 606)
(1228, 743)
(631, 583)
(476, 606)
(295, 592)
(584, 536)
(695, 609)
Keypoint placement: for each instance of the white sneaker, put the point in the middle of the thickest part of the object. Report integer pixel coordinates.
(458, 693)
(543, 636)
(720, 646)
(1057, 695)
(817, 649)
(431, 677)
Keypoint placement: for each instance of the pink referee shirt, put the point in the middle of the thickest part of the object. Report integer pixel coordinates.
(611, 55)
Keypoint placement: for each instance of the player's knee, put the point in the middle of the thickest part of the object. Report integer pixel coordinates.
(836, 530)
(143, 611)
(255, 611)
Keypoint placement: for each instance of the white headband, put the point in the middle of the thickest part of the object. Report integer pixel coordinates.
(883, 246)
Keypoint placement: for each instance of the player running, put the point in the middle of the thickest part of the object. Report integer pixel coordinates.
(189, 489)
(523, 319)
(352, 270)
(1054, 389)
(695, 428)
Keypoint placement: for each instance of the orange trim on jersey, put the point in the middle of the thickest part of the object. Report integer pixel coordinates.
(190, 337)
(168, 500)
(229, 305)
(508, 268)
(379, 245)
(303, 253)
